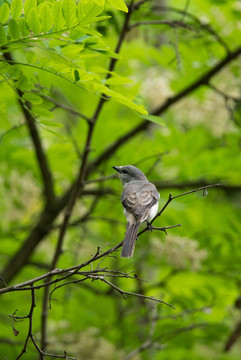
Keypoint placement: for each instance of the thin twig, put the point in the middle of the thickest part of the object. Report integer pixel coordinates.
(124, 293)
(30, 326)
(223, 94)
(173, 24)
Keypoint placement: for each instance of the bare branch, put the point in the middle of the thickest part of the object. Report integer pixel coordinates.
(189, 184)
(30, 317)
(173, 24)
(124, 293)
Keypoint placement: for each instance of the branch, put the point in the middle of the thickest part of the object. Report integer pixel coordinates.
(161, 185)
(173, 24)
(30, 317)
(39, 151)
(233, 338)
(31, 336)
(124, 293)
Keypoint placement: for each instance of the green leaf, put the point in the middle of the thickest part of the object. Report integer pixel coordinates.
(14, 72)
(46, 17)
(51, 123)
(58, 16)
(100, 18)
(88, 10)
(118, 80)
(155, 119)
(16, 8)
(28, 5)
(3, 36)
(23, 27)
(72, 51)
(32, 98)
(31, 57)
(123, 100)
(69, 11)
(119, 5)
(23, 83)
(56, 134)
(105, 52)
(39, 111)
(34, 21)
(4, 13)
(14, 29)
(88, 31)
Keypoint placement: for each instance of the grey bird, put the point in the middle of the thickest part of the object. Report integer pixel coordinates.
(140, 203)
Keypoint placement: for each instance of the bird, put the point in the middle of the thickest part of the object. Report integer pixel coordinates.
(140, 200)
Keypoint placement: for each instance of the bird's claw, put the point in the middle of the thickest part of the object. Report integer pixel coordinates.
(149, 226)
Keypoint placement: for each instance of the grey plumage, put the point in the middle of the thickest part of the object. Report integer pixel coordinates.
(140, 203)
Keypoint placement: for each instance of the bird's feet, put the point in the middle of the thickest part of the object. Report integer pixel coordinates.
(149, 226)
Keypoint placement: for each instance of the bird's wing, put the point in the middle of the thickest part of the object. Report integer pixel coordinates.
(139, 197)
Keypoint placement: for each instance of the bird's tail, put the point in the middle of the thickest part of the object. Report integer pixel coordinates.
(130, 240)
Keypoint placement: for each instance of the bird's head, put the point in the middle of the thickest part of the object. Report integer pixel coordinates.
(129, 173)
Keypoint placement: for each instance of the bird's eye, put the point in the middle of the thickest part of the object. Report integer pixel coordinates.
(124, 172)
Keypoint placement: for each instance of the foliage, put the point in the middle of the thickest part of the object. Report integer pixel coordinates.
(76, 81)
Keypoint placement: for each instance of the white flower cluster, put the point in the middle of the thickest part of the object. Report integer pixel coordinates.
(180, 252)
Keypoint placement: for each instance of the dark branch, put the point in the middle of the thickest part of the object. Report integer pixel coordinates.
(39, 151)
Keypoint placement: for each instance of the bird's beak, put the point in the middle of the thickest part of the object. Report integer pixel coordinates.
(117, 168)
